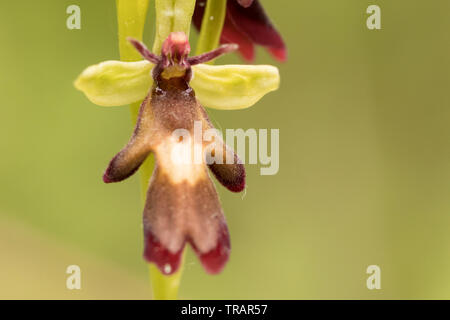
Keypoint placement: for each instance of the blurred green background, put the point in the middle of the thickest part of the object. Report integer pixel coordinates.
(364, 159)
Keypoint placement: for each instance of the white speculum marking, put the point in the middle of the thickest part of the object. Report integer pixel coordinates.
(178, 161)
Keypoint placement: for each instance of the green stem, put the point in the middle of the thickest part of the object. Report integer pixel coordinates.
(131, 19)
(212, 25)
(171, 16)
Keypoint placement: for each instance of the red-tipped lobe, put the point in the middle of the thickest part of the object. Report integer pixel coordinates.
(154, 252)
(215, 260)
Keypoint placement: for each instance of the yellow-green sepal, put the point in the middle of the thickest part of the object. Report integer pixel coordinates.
(232, 87)
(115, 83)
(228, 87)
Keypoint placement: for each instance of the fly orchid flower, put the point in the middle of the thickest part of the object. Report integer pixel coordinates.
(247, 25)
(182, 204)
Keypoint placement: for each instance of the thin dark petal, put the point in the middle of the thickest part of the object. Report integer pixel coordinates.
(230, 175)
(254, 22)
(145, 53)
(245, 3)
(208, 56)
(130, 158)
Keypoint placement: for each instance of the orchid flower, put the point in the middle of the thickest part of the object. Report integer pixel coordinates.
(182, 205)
